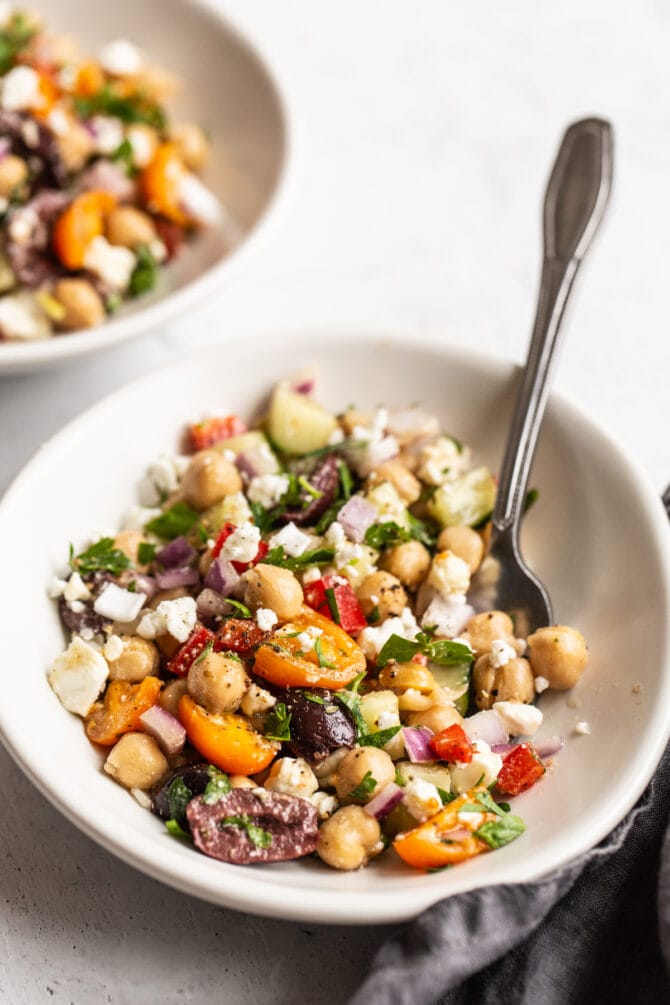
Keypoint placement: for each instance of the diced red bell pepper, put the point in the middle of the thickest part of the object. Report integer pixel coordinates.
(336, 600)
(420, 658)
(205, 434)
(241, 636)
(521, 769)
(452, 744)
(186, 655)
(225, 533)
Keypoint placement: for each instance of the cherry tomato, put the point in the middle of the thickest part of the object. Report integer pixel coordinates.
(444, 839)
(229, 741)
(332, 662)
(336, 600)
(120, 710)
(205, 434)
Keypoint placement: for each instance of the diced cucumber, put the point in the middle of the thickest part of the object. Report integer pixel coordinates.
(234, 508)
(373, 705)
(466, 501)
(436, 774)
(386, 499)
(296, 423)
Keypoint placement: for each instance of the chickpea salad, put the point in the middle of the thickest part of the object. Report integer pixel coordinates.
(98, 189)
(281, 652)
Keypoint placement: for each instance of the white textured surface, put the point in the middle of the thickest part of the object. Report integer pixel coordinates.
(424, 136)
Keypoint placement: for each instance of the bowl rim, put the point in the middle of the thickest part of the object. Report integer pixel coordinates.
(22, 357)
(251, 894)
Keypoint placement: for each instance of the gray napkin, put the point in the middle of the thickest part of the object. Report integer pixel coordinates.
(597, 930)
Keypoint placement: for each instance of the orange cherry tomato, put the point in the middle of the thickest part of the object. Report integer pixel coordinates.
(332, 663)
(430, 845)
(48, 96)
(228, 740)
(120, 710)
(90, 79)
(160, 181)
(79, 224)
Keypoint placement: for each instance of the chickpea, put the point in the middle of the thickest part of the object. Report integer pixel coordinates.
(400, 676)
(192, 144)
(482, 630)
(82, 302)
(217, 682)
(13, 172)
(407, 486)
(171, 695)
(242, 782)
(75, 145)
(413, 700)
(409, 562)
(353, 417)
(437, 717)
(138, 660)
(349, 839)
(382, 592)
(558, 653)
(274, 588)
(464, 542)
(136, 762)
(353, 768)
(205, 563)
(208, 478)
(130, 227)
(511, 682)
(326, 770)
(128, 541)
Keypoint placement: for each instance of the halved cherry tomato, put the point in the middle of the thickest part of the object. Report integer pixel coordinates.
(239, 635)
(228, 740)
(452, 744)
(521, 769)
(332, 663)
(186, 655)
(224, 534)
(90, 79)
(206, 434)
(430, 846)
(79, 224)
(120, 710)
(48, 95)
(160, 182)
(336, 600)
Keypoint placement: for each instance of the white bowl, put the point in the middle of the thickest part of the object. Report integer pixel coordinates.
(227, 87)
(598, 537)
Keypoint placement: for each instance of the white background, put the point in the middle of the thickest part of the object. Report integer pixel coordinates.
(423, 138)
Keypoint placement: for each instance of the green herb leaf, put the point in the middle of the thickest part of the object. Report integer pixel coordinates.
(178, 797)
(278, 723)
(446, 797)
(532, 495)
(352, 701)
(101, 556)
(317, 556)
(425, 531)
(125, 155)
(490, 806)
(500, 832)
(146, 553)
(331, 600)
(355, 684)
(346, 479)
(323, 662)
(365, 787)
(133, 108)
(399, 649)
(174, 522)
(132, 586)
(440, 651)
(385, 535)
(329, 517)
(374, 615)
(308, 487)
(217, 787)
(175, 829)
(257, 836)
(314, 698)
(145, 273)
(239, 607)
(14, 37)
(447, 653)
(400, 779)
(205, 652)
(380, 738)
(440, 868)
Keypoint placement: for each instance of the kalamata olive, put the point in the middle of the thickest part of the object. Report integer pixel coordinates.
(79, 619)
(254, 825)
(324, 479)
(31, 260)
(32, 139)
(319, 723)
(166, 802)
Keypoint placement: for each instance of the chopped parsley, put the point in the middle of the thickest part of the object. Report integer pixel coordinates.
(308, 487)
(446, 797)
(365, 787)
(174, 522)
(317, 556)
(238, 607)
(323, 662)
(146, 553)
(440, 651)
(205, 652)
(346, 480)
(331, 600)
(386, 535)
(380, 738)
(278, 723)
(314, 698)
(350, 698)
(178, 797)
(175, 829)
(257, 836)
(374, 615)
(14, 37)
(217, 787)
(145, 273)
(103, 556)
(497, 833)
(133, 108)
(124, 155)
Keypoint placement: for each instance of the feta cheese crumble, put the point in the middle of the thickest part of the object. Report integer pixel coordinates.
(582, 729)
(373, 638)
(113, 648)
(78, 676)
(256, 700)
(110, 262)
(541, 684)
(242, 545)
(449, 574)
(293, 776)
(518, 719)
(21, 90)
(291, 539)
(442, 460)
(172, 617)
(266, 619)
(267, 490)
(422, 799)
(484, 763)
(448, 616)
(501, 654)
(121, 58)
(76, 588)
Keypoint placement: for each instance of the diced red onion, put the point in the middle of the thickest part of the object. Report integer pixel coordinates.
(106, 176)
(305, 387)
(502, 748)
(163, 726)
(417, 743)
(5, 147)
(256, 461)
(145, 584)
(356, 516)
(177, 552)
(547, 748)
(386, 800)
(174, 578)
(457, 834)
(487, 726)
(222, 577)
(210, 605)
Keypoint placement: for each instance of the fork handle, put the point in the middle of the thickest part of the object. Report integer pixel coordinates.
(574, 203)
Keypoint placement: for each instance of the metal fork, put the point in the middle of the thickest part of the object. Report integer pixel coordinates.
(575, 200)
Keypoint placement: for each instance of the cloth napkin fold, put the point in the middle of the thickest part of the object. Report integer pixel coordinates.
(597, 930)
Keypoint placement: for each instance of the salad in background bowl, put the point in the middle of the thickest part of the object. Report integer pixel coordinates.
(125, 186)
